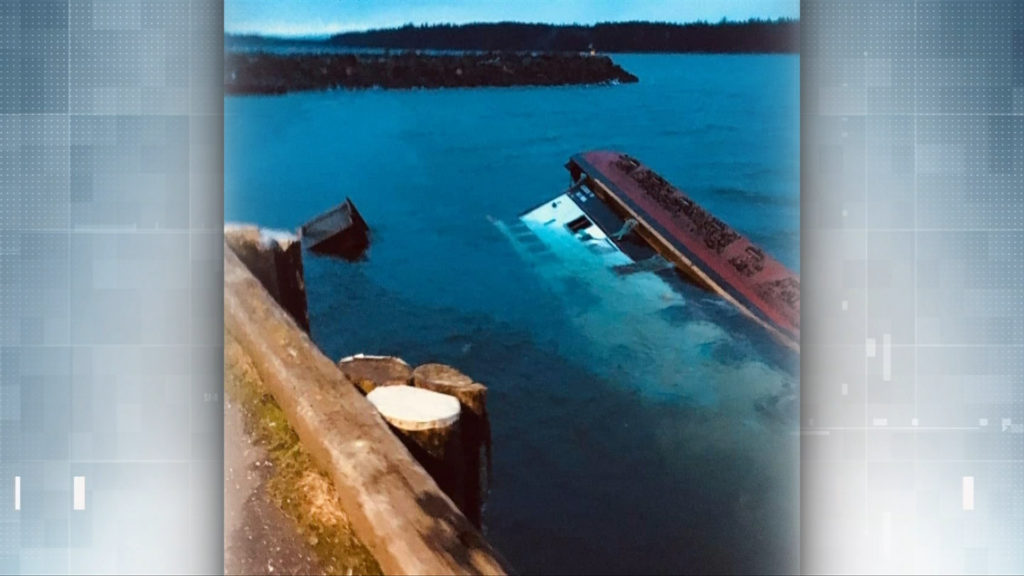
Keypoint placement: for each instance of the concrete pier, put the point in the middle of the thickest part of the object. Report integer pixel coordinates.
(396, 508)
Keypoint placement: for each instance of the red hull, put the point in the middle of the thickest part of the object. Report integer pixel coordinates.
(699, 243)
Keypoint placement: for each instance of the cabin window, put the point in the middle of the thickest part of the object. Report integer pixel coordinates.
(581, 223)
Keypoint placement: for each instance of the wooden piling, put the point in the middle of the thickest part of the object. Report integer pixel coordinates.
(275, 259)
(370, 372)
(475, 430)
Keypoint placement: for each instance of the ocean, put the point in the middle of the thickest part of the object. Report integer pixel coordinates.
(639, 425)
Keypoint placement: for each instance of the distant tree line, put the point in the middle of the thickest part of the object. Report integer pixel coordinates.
(751, 36)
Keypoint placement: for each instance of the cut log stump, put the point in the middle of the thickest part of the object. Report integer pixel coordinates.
(427, 418)
(475, 434)
(447, 380)
(370, 372)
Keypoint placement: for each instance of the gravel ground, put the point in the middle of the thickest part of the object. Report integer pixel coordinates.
(258, 537)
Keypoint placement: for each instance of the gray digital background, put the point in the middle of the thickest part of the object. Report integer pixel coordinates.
(912, 159)
(111, 321)
(912, 263)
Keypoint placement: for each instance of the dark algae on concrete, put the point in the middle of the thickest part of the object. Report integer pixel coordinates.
(268, 73)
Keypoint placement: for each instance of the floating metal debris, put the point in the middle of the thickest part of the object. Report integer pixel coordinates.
(341, 231)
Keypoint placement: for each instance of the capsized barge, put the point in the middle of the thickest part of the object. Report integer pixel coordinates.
(641, 214)
(341, 231)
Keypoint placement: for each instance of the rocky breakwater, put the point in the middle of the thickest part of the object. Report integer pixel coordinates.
(265, 73)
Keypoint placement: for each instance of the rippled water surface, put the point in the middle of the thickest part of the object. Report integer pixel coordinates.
(639, 423)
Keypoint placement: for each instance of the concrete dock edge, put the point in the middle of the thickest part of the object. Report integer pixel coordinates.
(396, 508)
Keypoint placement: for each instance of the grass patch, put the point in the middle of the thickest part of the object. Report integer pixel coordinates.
(296, 484)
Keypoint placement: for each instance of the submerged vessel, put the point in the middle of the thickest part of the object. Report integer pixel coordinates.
(617, 205)
(341, 231)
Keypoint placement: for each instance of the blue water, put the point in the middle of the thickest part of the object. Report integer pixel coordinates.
(635, 429)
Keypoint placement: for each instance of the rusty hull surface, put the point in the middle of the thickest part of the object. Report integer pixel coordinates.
(701, 245)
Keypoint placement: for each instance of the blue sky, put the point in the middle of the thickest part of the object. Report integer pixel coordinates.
(321, 17)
